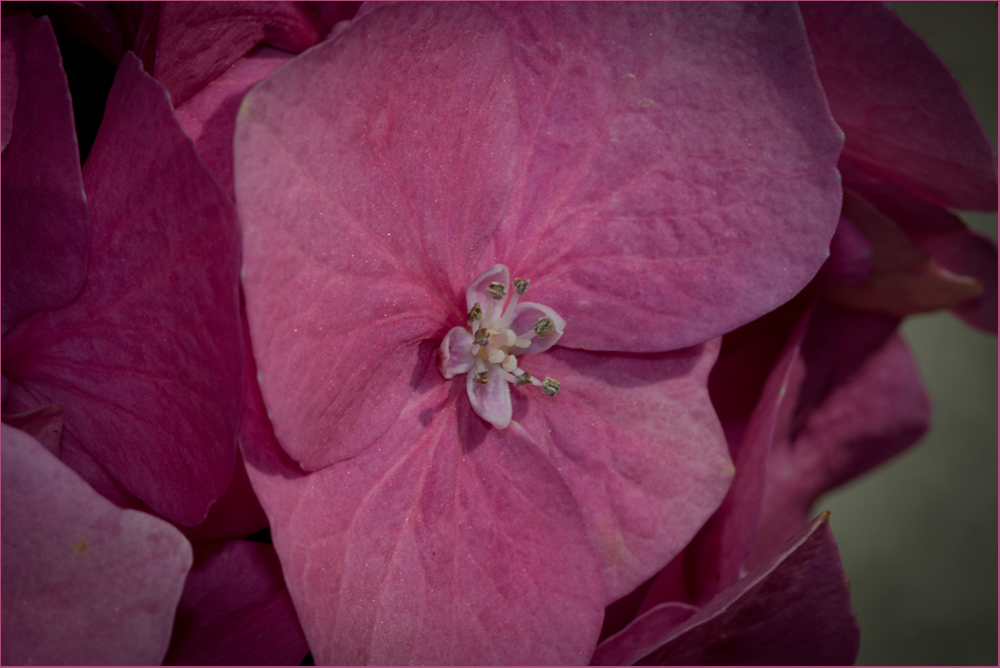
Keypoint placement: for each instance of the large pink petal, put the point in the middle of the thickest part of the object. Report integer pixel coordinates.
(46, 232)
(676, 173)
(198, 41)
(146, 362)
(447, 541)
(793, 610)
(236, 610)
(943, 236)
(209, 117)
(636, 439)
(905, 116)
(860, 403)
(83, 582)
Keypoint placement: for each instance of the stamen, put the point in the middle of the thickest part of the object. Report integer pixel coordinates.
(523, 379)
(521, 285)
(550, 386)
(483, 377)
(476, 313)
(509, 363)
(496, 290)
(482, 337)
(496, 356)
(544, 326)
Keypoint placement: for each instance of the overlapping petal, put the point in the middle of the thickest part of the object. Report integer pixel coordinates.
(794, 609)
(904, 114)
(84, 582)
(46, 231)
(236, 610)
(150, 352)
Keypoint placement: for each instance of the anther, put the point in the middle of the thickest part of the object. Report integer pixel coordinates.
(483, 377)
(521, 285)
(544, 327)
(496, 290)
(482, 336)
(523, 379)
(550, 386)
(476, 313)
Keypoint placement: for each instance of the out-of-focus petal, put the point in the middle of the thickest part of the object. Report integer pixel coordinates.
(793, 610)
(436, 545)
(334, 12)
(236, 611)
(209, 117)
(636, 439)
(46, 232)
(941, 235)
(198, 41)
(904, 279)
(861, 402)
(236, 514)
(904, 114)
(851, 259)
(93, 24)
(150, 351)
(83, 582)
(11, 45)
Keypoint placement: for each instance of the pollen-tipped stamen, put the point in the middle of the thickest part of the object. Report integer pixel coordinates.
(476, 313)
(496, 290)
(544, 326)
(483, 377)
(550, 386)
(521, 285)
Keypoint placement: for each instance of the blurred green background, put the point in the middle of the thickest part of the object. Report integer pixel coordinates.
(918, 536)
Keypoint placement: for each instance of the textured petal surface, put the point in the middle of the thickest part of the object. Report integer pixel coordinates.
(904, 114)
(793, 610)
(197, 42)
(637, 441)
(861, 403)
(83, 582)
(209, 117)
(436, 545)
(150, 352)
(44, 424)
(236, 610)
(944, 237)
(46, 233)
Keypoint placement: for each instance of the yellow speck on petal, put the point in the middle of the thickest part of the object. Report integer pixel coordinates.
(80, 546)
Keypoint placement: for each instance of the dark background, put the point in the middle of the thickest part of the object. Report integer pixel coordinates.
(918, 536)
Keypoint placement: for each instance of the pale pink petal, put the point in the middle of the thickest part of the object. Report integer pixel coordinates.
(150, 351)
(209, 117)
(236, 610)
(636, 439)
(793, 610)
(454, 354)
(476, 293)
(46, 232)
(490, 401)
(197, 42)
(83, 582)
(526, 315)
(904, 114)
(436, 545)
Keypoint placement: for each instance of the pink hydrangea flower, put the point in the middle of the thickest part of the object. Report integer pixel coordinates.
(656, 184)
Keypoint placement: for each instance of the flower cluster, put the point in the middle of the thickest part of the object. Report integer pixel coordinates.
(272, 383)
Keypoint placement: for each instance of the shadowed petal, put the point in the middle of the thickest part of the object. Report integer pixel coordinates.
(83, 582)
(436, 545)
(236, 610)
(636, 439)
(793, 610)
(44, 424)
(454, 353)
(197, 42)
(150, 351)
(46, 232)
(905, 116)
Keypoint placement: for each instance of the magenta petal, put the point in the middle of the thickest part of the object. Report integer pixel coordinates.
(905, 116)
(83, 582)
(860, 403)
(636, 439)
(44, 424)
(197, 42)
(150, 351)
(235, 610)
(446, 542)
(46, 233)
(793, 610)
(11, 45)
(643, 633)
(850, 260)
(677, 177)
(209, 117)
